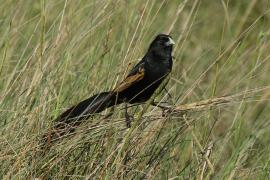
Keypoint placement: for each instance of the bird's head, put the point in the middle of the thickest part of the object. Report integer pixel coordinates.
(162, 45)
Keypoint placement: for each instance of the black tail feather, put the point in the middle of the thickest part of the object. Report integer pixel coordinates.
(74, 116)
(88, 107)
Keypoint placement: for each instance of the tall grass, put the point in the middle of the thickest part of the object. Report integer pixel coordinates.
(56, 53)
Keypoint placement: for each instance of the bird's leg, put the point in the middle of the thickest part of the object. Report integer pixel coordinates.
(127, 116)
(169, 94)
(160, 106)
(165, 109)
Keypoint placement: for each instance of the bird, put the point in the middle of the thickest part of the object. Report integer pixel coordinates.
(137, 87)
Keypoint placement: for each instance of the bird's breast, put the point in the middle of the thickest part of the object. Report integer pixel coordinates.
(157, 69)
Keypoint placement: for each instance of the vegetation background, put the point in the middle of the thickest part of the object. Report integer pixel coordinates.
(56, 53)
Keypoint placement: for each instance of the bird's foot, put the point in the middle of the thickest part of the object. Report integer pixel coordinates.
(165, 109)
(161, 106)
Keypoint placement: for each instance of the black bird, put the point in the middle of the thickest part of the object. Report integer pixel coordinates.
(137, 87)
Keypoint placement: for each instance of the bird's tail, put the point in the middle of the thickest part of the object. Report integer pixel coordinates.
(75, 115)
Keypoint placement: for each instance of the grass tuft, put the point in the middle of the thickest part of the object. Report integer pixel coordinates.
(216, 121)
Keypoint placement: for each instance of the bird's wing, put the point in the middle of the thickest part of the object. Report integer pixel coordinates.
(136, 74)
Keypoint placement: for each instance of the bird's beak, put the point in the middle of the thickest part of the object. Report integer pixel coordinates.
(170, 42)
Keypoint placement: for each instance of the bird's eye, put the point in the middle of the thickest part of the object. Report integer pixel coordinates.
(169, 42)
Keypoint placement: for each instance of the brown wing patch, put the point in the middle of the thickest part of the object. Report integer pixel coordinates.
(128, 81)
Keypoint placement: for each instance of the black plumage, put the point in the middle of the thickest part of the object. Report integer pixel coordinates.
(137, 87)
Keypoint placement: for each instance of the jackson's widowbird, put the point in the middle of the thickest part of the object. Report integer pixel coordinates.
(137, 87)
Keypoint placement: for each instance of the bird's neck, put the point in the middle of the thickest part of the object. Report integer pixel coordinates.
(158, 59)
(156, 54)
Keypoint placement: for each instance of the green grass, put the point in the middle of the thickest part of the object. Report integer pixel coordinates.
(56, 53)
